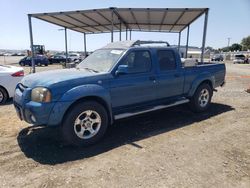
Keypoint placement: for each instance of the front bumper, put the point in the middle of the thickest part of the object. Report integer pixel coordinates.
(30, 111)
(34, 113)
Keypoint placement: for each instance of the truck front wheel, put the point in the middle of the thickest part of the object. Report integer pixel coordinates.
(85, 124)
(201, 99)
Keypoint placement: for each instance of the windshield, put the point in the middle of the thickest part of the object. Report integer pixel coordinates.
(101, 60)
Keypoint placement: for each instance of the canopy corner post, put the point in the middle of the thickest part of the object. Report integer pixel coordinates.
(120, 37)
(66, 44)
(112, 25)
(179, 42)
(126, 33)
(130, 34)
(31, 44)
(85, 45)
(204, 36)
(187, 41)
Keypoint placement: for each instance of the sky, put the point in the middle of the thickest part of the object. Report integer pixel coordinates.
(227, 19)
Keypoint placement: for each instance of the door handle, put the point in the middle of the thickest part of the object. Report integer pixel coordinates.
(152, 78)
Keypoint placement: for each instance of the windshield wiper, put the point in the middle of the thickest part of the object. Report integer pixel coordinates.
(91, 69)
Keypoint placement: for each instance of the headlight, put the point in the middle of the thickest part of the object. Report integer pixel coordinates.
(40, 94)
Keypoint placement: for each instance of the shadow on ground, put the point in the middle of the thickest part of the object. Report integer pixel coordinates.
(8, 102)
(44, 145)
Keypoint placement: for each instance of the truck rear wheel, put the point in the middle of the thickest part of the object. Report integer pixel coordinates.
(201, 99)
(85, 124)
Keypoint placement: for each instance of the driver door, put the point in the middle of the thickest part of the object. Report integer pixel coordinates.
(137, 87)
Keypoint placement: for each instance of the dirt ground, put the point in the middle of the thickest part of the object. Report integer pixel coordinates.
(167, 148)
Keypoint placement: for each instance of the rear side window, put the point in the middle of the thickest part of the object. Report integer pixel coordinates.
(138, 61)
(166, 60)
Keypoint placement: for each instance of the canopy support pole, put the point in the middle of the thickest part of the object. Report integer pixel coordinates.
(66, 44)
(120, 31)
(31, 44)
(126, 33)
(130, 34)
(204, 36)
(187, 41)
(85, 45)
(179, 42)
(112, 26)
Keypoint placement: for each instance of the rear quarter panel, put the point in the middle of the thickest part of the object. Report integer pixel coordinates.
(215, 73)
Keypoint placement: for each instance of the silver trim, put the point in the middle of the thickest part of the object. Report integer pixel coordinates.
(124, 115)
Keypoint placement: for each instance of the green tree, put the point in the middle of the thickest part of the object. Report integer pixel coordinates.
(246, 43)
(225, 49)
(236, 47)
(209, 48)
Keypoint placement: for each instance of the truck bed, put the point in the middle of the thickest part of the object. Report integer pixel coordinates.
(215, 70)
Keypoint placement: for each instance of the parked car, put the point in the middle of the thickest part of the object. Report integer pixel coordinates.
(10, 76)
(217, 57)
(75, 57)
(240, 58)
(120, 80)
(39, 61)
(58, 59)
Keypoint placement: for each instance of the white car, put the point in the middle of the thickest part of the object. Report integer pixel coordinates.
(10, 76)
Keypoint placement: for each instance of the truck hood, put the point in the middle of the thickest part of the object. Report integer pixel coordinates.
(48, 78)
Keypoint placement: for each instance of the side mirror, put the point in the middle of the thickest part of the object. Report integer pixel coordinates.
(122, 69)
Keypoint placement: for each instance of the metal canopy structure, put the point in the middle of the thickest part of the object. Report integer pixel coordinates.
(110, 20)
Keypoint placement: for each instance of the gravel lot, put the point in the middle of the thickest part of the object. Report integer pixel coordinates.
(167, 148)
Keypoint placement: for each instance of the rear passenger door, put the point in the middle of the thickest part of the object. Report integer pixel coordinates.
(138, 86)
(170, 75)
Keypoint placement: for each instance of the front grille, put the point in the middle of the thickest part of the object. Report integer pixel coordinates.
(21, 87)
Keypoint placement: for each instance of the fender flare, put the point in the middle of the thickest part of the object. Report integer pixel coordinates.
(78, 93)
(206, 76)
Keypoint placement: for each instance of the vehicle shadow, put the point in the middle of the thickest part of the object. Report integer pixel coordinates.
(44, 145)
(8, 102)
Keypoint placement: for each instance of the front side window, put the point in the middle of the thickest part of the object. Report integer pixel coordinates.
(138, 61)
(166, 60)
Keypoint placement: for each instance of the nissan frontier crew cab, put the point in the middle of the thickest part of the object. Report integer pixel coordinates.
(120, 80)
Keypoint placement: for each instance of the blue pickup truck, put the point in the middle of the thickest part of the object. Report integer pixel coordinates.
(122, 79)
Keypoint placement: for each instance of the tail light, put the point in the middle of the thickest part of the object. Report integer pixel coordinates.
(18, 74)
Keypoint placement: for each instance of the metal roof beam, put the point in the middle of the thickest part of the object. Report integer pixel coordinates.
(93, 20)
(67, 23)
(133, 15)
(163, 18)
(178, 19)
(120, 18)
(82, 23)
(148, 17)
(100, 14)
(195, 18)
(124, 29)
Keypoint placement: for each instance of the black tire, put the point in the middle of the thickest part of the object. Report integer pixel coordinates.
(22, 64)
(3, 95)
(69, 128)
(46, 65)
(197, 102)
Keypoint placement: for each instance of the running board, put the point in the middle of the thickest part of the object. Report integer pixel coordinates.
(124, 115)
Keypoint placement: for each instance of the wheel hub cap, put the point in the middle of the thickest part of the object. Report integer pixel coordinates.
(204, 98)
(87, 124)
